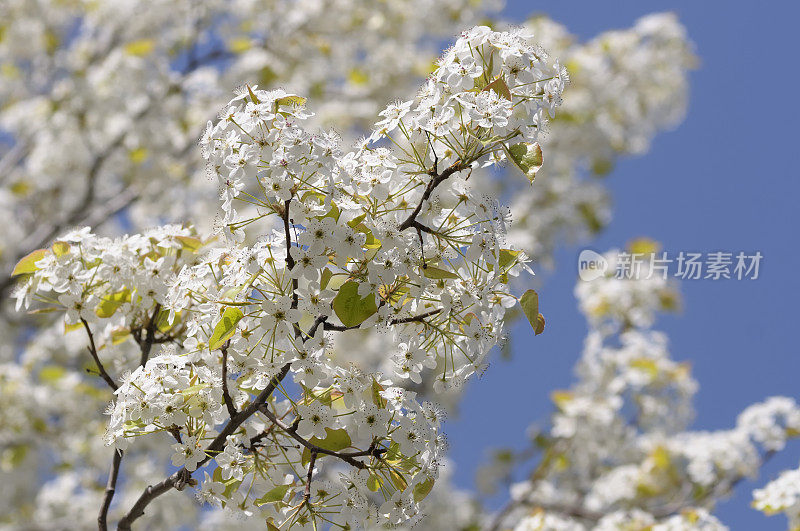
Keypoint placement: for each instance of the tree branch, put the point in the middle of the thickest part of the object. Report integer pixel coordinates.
(93, 351)
(183, 476)
(311, 463)
(405, 320)
(347, 457)
(438, 178)
(149, 336)
(111, 487)
(226, 396)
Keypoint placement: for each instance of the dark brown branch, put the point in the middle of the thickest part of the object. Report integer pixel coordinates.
(405, 320)
(150, 335)
(111, 487)
(311, 463)
(92, 348)
(438, 178)
(183, 476)
(347, 457)
(226, 396)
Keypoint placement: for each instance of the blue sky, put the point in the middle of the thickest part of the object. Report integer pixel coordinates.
(724, 180)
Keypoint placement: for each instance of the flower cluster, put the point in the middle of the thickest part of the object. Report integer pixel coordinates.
(117, 285)
(618, 452)
(782, 495)
(389, 237)
(625, 86)
(104, 102)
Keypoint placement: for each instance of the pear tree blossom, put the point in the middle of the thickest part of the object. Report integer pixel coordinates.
(377, 237)
(102, 104)
(618, 452)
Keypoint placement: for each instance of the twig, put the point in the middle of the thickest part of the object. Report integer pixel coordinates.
(405, 320)
(311, 463)
(183, 476)
(438, 178)
(111, 487)
(226, 396)
(347, 457)
(149, 336)
(93, 351)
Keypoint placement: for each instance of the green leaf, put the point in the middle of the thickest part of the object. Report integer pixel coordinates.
(374, 483)
(110, 303)
(28, 263)
(60, 248)
(421, 490)
(119, 335)
(140, 48)
(393, 455)
(273, 495)
(377, 399)
(500, 87)
(291, 99)
(530, 306)
(398, 480)
(528, 157)
(225, 328)
(351, 309)
(326, 277)
(253, 95)
(190, 243)
(335, 440)
(437, 273)
(51, 373)
(507, 256)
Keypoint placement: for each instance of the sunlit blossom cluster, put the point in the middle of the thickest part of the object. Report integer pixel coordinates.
(389, 236)
(619, 438)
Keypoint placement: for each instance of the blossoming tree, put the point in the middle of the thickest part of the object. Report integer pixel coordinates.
(103, 103)
(618, 453)
(389, 235)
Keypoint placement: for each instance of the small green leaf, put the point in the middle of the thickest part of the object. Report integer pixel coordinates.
(437, 273)
(351, 309)
(140, 48)
(530, 306)
(51, 373)
(398, 480)
(335, 440)
(60, 248)
(500, 87)
(273, 495)
(326, 277)
(528, 157)
(253, 96)
(377, 399)
(28, 263)
(507, 256)
(119, 335)
(110, 303)
(190, 243)
(374, 483)
(225, 328)
(421, 490)
(291, 99)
